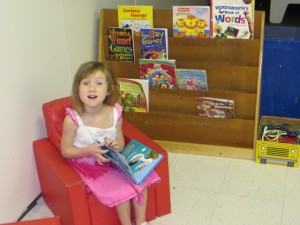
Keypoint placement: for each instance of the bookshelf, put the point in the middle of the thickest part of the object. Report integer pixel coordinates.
(233, 72)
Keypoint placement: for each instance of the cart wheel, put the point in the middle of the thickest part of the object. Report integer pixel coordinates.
(263, 161)
(290, 164)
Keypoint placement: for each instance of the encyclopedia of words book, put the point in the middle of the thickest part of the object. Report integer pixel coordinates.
(191, 21)
(215, 107)
(135, 17)
(159, 73)
(191, 79)
(120, 44)
(154, 43)
(232, 19)
(136, 160)
(134, 94)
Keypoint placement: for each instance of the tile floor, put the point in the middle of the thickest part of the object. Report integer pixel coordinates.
(221, 191)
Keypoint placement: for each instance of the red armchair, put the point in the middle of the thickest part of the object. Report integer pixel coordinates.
(63, 190)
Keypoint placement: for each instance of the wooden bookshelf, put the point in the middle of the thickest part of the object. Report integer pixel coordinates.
(233, 72)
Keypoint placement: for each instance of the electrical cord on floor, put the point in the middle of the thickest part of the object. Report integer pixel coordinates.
(29, 207)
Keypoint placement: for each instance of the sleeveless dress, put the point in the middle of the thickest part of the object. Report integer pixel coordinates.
(109, 186)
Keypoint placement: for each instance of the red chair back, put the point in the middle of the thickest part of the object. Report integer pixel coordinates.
(54, 115)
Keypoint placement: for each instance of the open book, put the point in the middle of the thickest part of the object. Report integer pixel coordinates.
(136, 160)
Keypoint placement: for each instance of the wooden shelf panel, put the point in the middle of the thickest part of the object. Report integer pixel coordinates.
(219, 77)
(204, 50)
(183, 101)
(219, 51)
(194, 129)
(223, 77)
(210, 150)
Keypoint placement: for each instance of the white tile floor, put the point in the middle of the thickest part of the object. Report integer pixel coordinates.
(220, 191)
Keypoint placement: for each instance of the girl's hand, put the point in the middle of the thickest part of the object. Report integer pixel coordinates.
(111, 143)
(97, 153)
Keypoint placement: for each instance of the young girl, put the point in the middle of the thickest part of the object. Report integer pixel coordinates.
(96, 118)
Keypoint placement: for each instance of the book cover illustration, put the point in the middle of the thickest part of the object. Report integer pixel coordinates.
(136, 160)
(154, 43)
(215, 107)
(191, 21)
(135, 17)
(233, 19)
(191, 79)
(134, 94)
(159, 73)
(120, 44)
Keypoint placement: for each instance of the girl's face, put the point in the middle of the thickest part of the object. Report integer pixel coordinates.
(93, 89)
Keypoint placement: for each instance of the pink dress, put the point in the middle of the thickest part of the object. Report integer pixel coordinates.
(108, 185)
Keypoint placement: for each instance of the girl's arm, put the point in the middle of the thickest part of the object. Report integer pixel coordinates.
(119, 143)
(69, 151)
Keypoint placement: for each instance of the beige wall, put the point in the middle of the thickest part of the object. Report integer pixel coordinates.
(42, 43)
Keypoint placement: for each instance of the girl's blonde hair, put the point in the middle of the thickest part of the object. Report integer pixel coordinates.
(83, 72)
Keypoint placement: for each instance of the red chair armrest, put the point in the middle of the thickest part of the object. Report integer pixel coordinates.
(62, 188)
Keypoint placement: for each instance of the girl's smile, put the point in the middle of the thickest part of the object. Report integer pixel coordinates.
(93, 89)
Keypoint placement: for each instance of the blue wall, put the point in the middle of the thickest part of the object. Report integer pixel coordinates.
(280, 91)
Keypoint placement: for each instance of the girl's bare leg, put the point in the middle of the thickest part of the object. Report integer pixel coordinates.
(140, 210)
(123, 211)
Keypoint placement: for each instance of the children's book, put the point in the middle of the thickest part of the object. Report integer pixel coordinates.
(215, 107)
(191, 21)
(136, 160)
(120, 44)
(134, 94)
(154, 43)
(232, 19)
(135, 17)
(159, 73)
(191, 79)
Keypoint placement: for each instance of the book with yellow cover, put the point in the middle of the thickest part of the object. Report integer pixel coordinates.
(135, 17)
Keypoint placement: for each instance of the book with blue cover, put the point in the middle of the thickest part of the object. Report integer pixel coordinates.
(136, 160)
(154, 43)
(191, 79)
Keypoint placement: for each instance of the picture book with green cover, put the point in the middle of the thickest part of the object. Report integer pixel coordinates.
(133, 94)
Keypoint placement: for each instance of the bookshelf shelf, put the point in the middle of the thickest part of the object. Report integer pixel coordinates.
(233, 72)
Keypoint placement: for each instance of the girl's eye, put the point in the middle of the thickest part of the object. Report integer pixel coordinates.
(85, 83)
(99, 83)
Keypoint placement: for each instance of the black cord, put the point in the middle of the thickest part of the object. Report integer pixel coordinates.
(31, 205)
